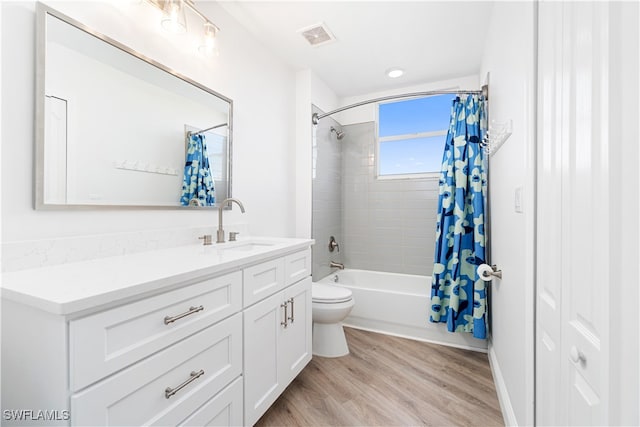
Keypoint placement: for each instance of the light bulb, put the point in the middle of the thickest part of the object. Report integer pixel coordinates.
(174, 19)
(209, 46)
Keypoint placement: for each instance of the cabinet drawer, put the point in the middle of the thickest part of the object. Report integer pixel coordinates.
(136, 396)
(225, 409)
(263, 280)
(114, 339)
(297, 266)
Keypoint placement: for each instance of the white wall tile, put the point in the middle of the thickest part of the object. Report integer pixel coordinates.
(388, 225)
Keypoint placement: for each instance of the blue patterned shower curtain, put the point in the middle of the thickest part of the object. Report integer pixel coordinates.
(458, 296)
(197, 183)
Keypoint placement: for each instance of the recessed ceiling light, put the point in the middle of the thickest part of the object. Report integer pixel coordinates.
(395, 72)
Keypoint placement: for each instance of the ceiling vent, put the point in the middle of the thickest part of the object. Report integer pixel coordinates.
(317, 34)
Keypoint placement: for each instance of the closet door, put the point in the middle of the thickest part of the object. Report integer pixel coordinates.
(549, 403)
(573, 281)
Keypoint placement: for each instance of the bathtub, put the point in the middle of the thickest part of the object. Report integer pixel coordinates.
(396, 304)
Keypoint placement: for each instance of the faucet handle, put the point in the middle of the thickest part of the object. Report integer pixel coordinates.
(333, 244)
(206, 238)
(232, 235)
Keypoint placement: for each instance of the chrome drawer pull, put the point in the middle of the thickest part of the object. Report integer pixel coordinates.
(168, 392)
(291, 318)
(285, 305)
(169, 319)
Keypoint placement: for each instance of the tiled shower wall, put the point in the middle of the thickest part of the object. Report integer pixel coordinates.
(387, 225)
(327, 195)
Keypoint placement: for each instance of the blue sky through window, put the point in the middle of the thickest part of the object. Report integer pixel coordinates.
(411, 155)
(415, 115)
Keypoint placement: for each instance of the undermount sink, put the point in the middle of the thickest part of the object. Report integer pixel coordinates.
(248, 246)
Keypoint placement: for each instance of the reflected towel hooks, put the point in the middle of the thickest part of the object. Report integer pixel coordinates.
(190, 133)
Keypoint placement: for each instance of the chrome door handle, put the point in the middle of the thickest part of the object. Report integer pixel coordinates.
(290, 300)
(192, 310)
(285, 305)
(168, 392)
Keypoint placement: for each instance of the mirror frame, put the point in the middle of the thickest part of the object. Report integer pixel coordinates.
(42, 11)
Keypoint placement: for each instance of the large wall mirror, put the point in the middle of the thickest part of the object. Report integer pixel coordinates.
(113, 128)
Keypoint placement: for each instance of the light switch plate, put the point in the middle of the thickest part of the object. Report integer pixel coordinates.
(518, 200)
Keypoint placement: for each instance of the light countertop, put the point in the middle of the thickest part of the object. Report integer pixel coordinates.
(67, 289)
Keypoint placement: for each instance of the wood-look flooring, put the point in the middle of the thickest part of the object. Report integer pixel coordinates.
(390, 381)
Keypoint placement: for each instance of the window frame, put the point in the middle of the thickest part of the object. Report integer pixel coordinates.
(417, 175)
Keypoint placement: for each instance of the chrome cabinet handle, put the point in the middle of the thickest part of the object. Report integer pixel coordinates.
(192, 310)
(292, 312)
(168, 392)
(284, 305)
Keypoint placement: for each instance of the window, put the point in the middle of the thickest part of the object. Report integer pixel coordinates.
(411, 136)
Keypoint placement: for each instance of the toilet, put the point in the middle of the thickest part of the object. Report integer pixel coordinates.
(331, 304)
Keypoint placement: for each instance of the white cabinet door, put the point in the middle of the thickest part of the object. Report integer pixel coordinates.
(277, 346)
(262, 329)
(295, 339)
(573, 278)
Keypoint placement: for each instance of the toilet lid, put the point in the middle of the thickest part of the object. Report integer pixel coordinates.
(329, 293)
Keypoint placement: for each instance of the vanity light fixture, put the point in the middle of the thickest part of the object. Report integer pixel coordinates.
(209, 46)
(395, 72)
(174, 20)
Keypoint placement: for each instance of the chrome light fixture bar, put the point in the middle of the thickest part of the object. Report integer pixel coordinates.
(174, 20)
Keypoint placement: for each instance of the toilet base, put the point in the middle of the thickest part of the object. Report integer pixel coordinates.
(329, 340)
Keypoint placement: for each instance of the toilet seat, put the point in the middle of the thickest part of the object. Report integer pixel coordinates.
(329, 294)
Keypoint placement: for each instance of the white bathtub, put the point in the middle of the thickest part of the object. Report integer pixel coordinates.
(396, 304)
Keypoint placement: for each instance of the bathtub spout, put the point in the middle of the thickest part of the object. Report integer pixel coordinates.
(336, 265)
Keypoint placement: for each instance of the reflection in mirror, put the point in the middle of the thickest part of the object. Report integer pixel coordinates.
(205, 166)
(113, 126)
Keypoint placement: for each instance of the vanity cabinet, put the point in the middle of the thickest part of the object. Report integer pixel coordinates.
(277, 345)
(211, 349)
(167, 387)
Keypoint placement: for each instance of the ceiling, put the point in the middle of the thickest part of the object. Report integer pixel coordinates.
(430, 40)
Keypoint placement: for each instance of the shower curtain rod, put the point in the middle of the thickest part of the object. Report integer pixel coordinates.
(315, 118)
(205, 130)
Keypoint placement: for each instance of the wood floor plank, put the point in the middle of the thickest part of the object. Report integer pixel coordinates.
(388, 381)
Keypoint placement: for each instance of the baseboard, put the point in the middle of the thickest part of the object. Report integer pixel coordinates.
(413, 337)
(508, 414)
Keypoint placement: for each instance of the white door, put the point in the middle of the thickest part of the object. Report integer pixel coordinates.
(549, 405)
(295, 345)
(573, 212)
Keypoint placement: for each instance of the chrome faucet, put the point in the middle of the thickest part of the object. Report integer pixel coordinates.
(220, 238)
(336, 265)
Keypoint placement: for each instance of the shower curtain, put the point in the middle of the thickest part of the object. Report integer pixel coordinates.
(458, 296)
(197, 183)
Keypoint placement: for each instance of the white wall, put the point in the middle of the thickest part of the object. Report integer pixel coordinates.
(261, 86)
(509, 58)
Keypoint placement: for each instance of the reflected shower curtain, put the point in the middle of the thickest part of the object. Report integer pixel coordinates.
(458, 296)
(197, 183)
